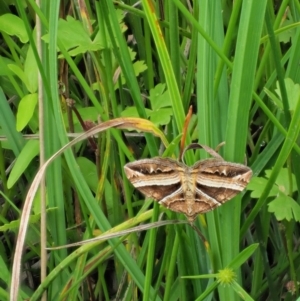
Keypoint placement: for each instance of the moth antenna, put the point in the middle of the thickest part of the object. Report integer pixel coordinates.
(219, 146)
(209, 150)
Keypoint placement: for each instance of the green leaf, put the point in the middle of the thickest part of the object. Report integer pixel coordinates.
(282, 184)
(277, 102)
(89, 172)
(31, 71)
(36, 206)
(159, 98)
(87, 114)
(158, 90)
(242, 257)
(29, 151)
(4, 66)
(282, 180)
(161, 116)
(25, 110)
(4, 275)
(132, 112)
(14, 225)
(285, 207)
(241, 292)
(138, 67)
(170, 150)
(72, 33)
(286, 35)
(13, 26)
(18, 72)
(74, 37)
(77, 40)
(109, 202)
(293, 92)
(257, 185)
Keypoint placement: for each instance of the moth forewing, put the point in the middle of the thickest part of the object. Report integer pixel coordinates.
(222, 180)
(218, 173)
(156, 178)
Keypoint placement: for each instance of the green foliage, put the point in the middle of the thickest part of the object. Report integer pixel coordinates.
(236, 63)
(285, 183)
(13, 26)
(89, 172)
(283, 206)
(15, 224)
(28, 153)
(76, 39)
(293, 93)
(27, 104)
(160, 112)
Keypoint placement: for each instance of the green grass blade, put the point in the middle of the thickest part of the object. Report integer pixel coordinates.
(248, 41)
(165, 61)
(292, 135)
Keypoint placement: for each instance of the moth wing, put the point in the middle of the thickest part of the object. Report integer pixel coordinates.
(156, 178)
(219, 180)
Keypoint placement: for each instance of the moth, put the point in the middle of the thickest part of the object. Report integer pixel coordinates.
(190, 190)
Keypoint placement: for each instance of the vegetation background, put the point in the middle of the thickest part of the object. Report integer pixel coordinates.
(67, 66)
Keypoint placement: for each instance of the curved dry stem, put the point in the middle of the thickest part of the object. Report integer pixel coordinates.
(119, 123)
(112, 234)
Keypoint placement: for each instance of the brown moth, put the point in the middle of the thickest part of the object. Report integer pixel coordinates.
(189, 190)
